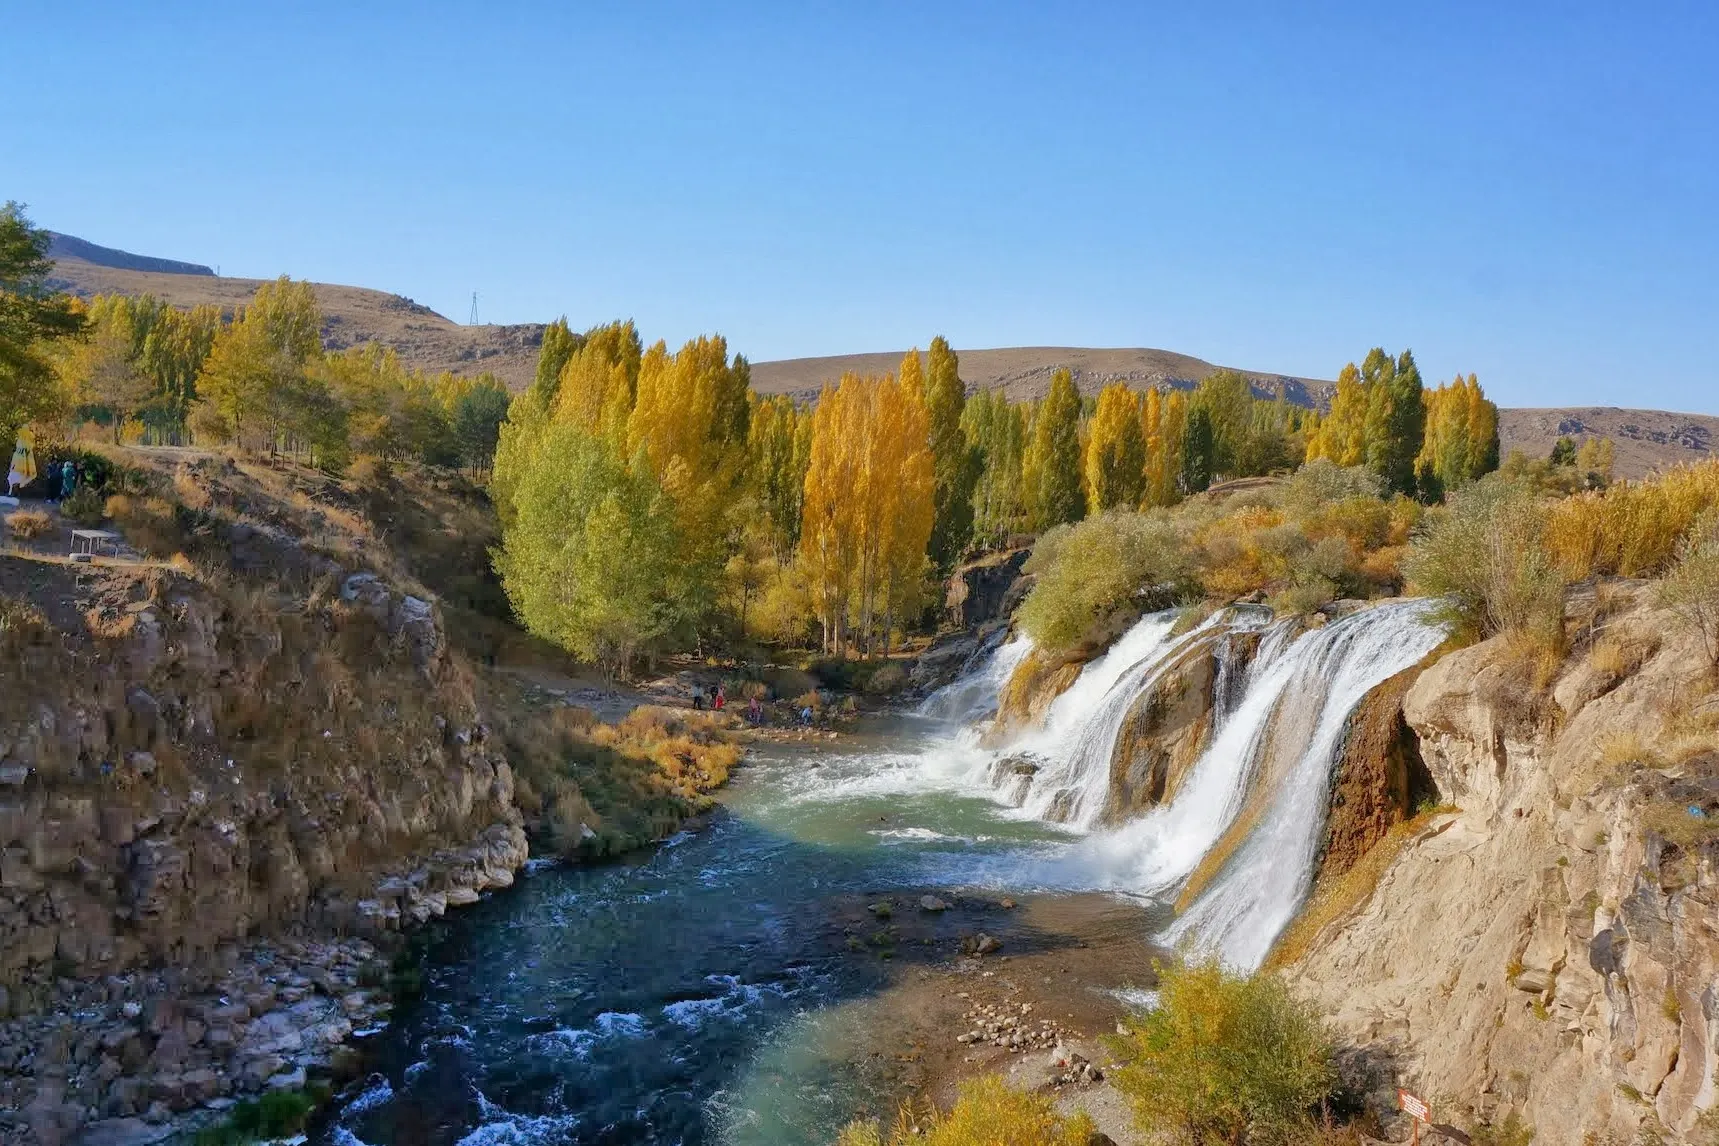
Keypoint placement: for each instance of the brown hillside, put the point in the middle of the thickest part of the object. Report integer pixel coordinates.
(1025, 371)
(1645, 439)
(352, 316)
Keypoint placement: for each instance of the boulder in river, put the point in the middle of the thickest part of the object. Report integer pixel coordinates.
(932, 903)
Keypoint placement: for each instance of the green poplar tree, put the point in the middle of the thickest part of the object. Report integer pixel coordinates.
(954, 461)
(1199, 451)
(559, 344)
(1057, 496)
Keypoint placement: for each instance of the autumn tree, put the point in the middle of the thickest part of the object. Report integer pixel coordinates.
(952, 452)
(867, 515)
(104, 375)
(599, 380)
(1052, 465)
(1377, 419)
(1115, 451)
(1163, 421)
(32, 318)
(998, 430)
(1461, 438)
(780, 443)
(688, 423)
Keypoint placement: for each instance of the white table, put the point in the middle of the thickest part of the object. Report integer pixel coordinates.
(88, 543)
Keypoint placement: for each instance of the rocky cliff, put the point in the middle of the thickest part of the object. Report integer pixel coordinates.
(188, 767)
(1549, 949)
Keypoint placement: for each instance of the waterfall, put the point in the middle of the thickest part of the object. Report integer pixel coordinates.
(1242, 829)
(1154, 852)
(1320, 681)
(1067, 763)
(972, 695)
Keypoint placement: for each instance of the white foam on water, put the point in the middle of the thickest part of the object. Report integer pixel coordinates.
(620, 1024)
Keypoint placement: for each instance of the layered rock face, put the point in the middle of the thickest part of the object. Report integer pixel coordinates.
(1169, 723)
(1551, 948)
(182, 767)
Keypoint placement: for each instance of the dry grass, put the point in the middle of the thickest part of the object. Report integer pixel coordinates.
(1619, 658)
(1334, 900)
(29, 524)
(988, 1113)
(1673, 823)
(1631, 529)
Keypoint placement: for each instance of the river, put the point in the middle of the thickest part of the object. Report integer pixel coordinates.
(715, 990)
(687, 996)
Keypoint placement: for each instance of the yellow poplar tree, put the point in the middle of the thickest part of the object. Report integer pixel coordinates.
(1342, 434)
(1115, 462)
(867, 510)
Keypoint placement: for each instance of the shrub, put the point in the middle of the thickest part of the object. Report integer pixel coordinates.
(1692, 586)
(1484, 557)
(277, 1114)
(1225, 1059)
(988, 1113)
(1323, 481)
(888, 679)
(28, 524)
(1089, 570)
(1632, 529)
(86, 506)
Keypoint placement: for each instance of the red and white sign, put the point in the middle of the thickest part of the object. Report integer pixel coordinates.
(1415, 1108)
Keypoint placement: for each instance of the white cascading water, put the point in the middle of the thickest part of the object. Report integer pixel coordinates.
(1239, 916)
(1073, 748)
(973, 694)
(1153, 853)
(1290, 703)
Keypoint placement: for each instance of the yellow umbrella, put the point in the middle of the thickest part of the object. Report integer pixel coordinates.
(23, 469)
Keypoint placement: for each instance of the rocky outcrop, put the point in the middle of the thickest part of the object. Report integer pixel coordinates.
(1551, 949)
(1038, 680)
(194, 768)
(1167, 727)
(115, 1059)
(1379, 778)
(986, 589)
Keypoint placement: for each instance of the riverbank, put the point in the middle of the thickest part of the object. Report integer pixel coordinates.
(1058, 974)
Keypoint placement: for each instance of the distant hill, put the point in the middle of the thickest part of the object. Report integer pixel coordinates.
(1645, 439)
(72, 247)
(1025, 372)
(352, 316)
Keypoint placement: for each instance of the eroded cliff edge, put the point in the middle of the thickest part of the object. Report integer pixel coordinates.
(1549, 947)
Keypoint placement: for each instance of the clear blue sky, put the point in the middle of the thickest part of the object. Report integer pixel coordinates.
(1524, 190)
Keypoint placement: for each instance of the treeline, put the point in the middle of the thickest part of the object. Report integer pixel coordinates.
(651, 501)
(261, 380)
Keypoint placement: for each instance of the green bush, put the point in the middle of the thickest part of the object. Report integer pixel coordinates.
(1089, 570)
(86, 506)
(1225, 1059)
(1484, 556)
(277, 1114)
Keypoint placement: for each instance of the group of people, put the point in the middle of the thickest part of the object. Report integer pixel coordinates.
(718, 700)
(61, 478)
